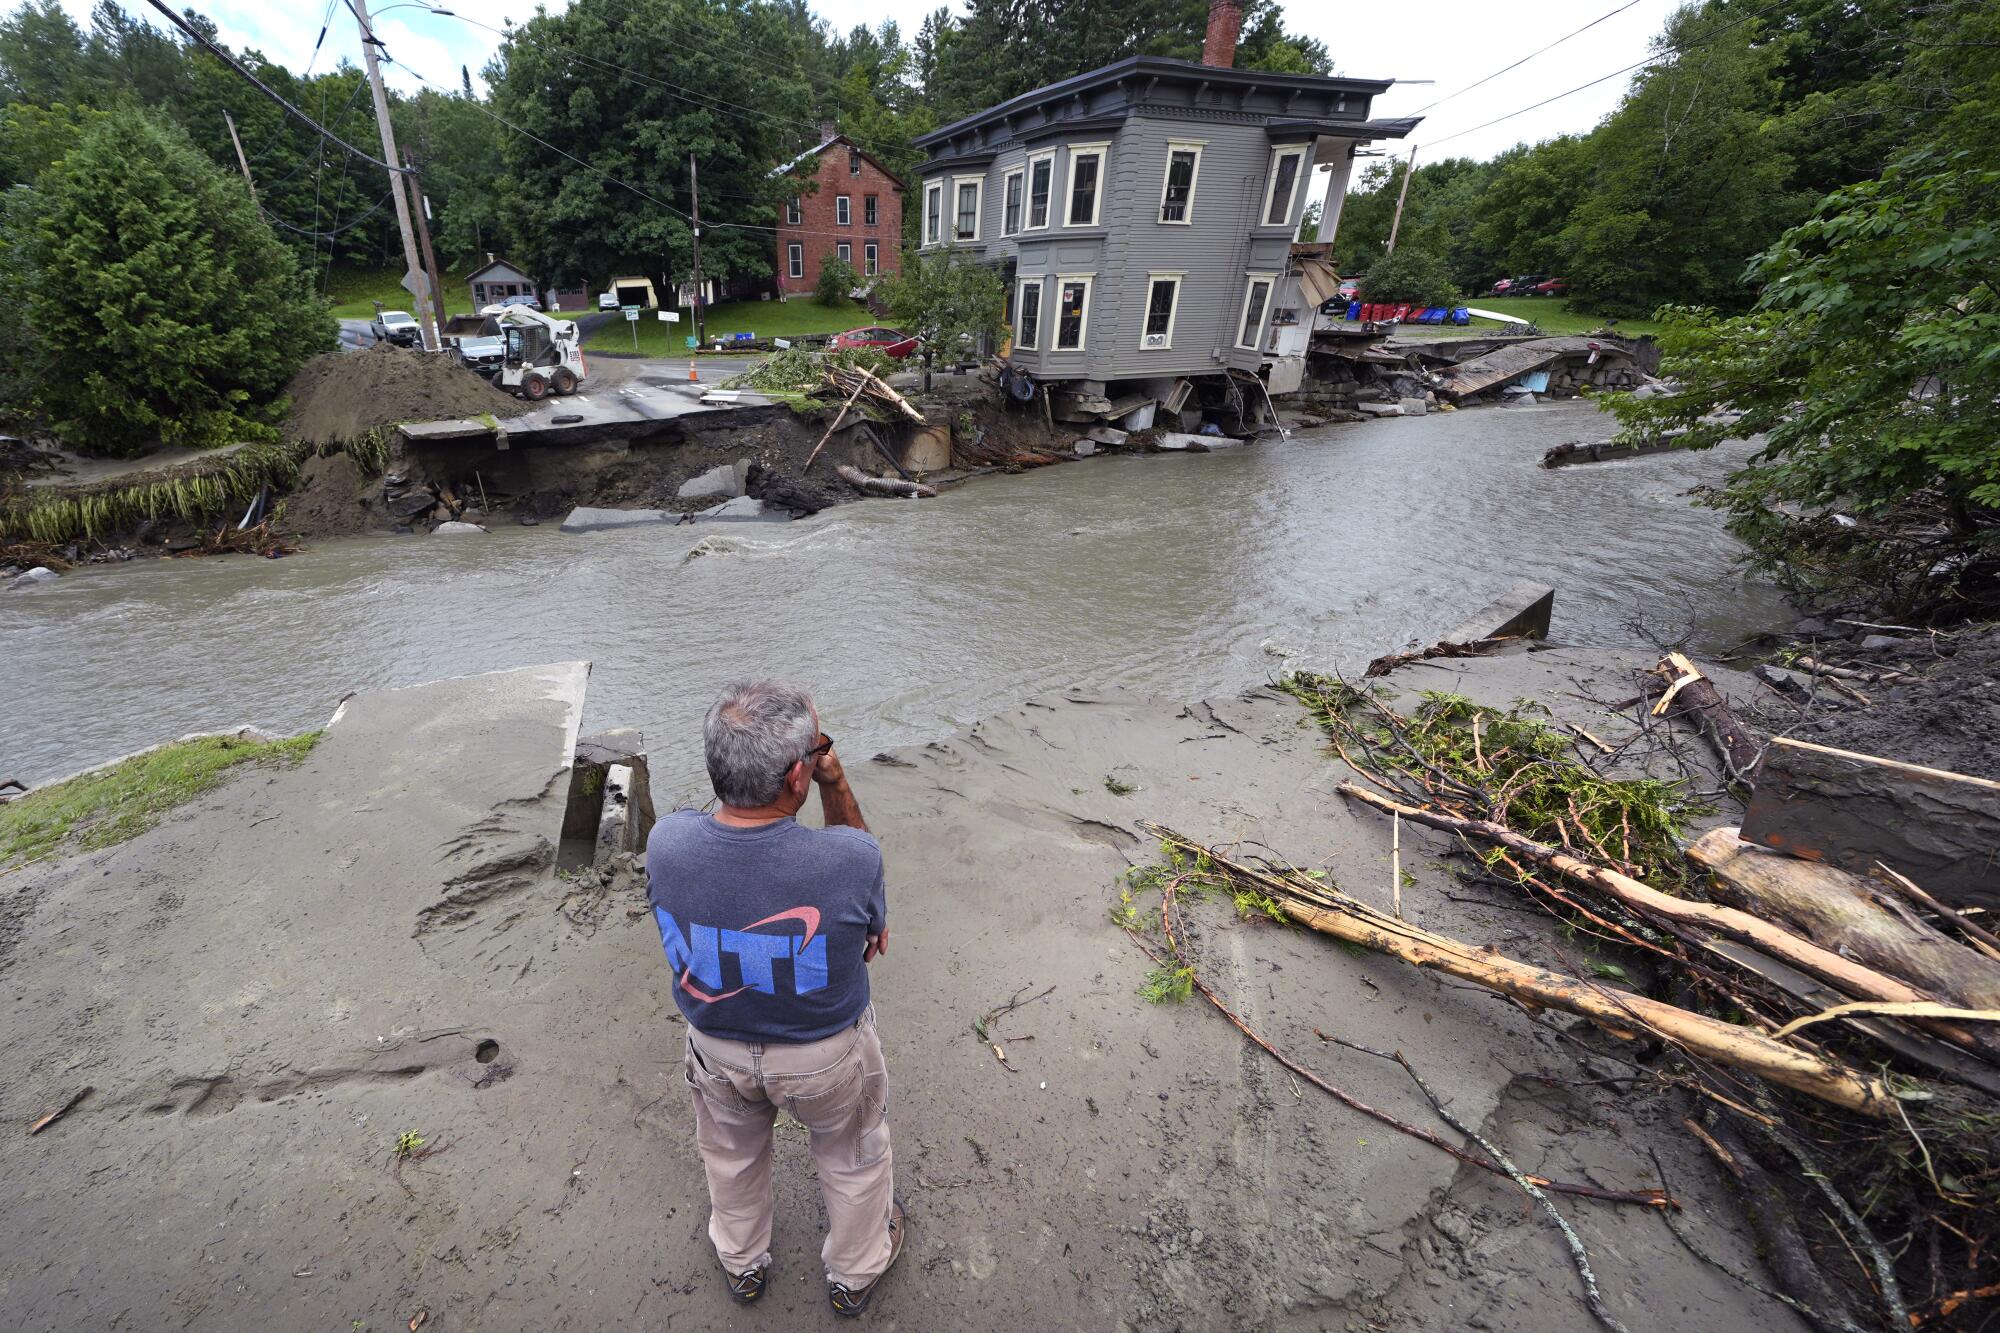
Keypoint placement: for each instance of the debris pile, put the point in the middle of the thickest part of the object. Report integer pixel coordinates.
(340, 396)
(1837, 1023)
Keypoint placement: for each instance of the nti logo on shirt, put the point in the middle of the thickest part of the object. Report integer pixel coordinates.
(697, 955)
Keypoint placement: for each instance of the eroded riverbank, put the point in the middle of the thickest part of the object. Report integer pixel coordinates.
(1184, 574)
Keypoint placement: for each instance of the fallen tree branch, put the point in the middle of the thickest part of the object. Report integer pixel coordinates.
(1332, 912)
(1711, 715)
(1845, 974)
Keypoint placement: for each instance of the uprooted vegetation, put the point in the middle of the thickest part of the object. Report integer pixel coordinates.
(1865, 1145)
(110, 805)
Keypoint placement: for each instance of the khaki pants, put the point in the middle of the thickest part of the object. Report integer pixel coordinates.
(839, 1090)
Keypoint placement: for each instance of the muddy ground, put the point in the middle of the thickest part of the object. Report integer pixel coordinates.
(269, 988)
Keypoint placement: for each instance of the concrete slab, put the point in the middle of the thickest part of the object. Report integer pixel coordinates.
(584, 518)
(724, 480)
(744, 509)
(431, 432)
(1522, 611)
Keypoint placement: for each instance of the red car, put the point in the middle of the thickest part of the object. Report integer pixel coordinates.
(889, 342)
(1553, 287)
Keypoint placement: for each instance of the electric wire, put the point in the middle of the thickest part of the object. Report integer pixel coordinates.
(1526, 58)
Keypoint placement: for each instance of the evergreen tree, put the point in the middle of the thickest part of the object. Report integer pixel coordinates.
(163, 309)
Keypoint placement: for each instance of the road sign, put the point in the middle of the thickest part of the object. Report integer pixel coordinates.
(632, 313)
(418, 284)
(782, 344)
(670, 316)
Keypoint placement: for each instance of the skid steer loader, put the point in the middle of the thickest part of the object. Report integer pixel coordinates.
(539, 355)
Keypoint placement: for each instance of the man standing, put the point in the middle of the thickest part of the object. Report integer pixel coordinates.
(768, 926)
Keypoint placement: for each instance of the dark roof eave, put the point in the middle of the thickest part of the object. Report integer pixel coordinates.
(1294, 127)
(1147, 66)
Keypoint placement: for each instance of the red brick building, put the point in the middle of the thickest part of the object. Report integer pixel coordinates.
(856, 213)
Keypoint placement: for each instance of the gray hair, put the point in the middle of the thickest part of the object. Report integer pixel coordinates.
(755, 733)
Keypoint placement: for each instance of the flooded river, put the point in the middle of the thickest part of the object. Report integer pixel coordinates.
(1181, 575)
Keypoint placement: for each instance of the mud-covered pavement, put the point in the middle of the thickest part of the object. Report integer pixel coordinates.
(270, 988)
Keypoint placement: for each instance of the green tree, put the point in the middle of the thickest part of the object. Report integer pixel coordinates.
(1411, 274)
(946, 299)
(836, 281)
(162, 308)
(1871, 364)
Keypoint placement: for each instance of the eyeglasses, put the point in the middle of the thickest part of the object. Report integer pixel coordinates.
(825, 746)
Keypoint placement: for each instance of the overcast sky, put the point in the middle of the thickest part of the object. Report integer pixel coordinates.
(1453, 43)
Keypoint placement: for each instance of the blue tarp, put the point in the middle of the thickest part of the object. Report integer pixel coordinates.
(1461, 316)
(1354, 310)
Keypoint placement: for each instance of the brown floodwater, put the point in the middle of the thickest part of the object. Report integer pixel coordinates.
(1180, 575)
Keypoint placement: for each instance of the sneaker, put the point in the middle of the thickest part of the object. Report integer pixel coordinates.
(745, 1288)
(850, 1302)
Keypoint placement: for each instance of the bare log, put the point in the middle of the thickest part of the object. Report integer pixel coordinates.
(1853, 978)
(1840, 911)
(1710, 712)
(834, 425)
(1334, 913)
(854, 476)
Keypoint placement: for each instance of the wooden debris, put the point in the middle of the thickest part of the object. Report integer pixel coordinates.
(1332, 912)
(1940, 828)
(834, 425)
(1851, 977)
(1842, 911)
(1981, 938)
(60, 1111)
(1921, 1009)
(1711, 713)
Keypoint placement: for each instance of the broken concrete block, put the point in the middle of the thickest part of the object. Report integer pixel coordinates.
(1412, 407)
(1108, 435)
(744, 509)
(1085, 447)
(723, 481)
(587, 519)
(444, 529)
(1521, 611)
(1380, 409)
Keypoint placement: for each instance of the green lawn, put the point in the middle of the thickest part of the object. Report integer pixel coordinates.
(1551, 314)
(355, 291)
(766, 319)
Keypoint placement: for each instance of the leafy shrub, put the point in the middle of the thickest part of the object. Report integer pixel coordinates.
(836, 280)
(1410, 274)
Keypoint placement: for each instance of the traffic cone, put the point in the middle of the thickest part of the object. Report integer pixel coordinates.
(694, 376)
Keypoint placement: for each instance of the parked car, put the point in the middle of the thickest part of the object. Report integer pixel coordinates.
(482, 355)
(1504, 287)
(1350, 290)
(532, 302)
(1552, 287)
(607, 300)
(889, 342)
(399, 327)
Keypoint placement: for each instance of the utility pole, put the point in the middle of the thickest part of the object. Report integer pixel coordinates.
(423, 209)
(389, 155)
(241, 161)
(1401, 195)
(694, 188)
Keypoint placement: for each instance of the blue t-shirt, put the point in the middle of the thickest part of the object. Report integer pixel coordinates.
(765, 927)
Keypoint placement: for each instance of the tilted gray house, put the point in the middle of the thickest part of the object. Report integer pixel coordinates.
(1142, 215)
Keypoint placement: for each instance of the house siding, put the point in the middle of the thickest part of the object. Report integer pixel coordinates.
(1223, 243)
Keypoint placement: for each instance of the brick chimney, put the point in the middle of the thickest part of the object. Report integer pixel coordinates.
(1225, 23)
(828, 129)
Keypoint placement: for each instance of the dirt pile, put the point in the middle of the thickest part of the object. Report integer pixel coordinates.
(1944, 712)
(342, 395)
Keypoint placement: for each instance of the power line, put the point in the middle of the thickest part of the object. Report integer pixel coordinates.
(352, 223)
(195, 35)
(1649, 60)
(1526, 58)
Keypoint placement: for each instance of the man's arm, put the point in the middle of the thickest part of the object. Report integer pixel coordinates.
(836, 799)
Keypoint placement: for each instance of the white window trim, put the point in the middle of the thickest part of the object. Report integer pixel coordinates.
(871, 258)
(1194, 180)
(1250, 281)
(1089, 281)
(795, 208)
(933, 187)
(978, 184)
(843, 210)
(1028, 192)
(1100, 151)
(1173, 311)
(1041, 287)
(795, 260)
(1298, 181)
(1021, 174)
(844, 250)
